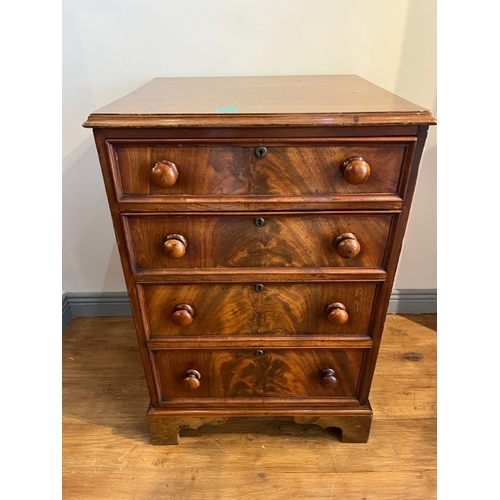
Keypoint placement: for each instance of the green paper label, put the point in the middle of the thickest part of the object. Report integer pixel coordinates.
(226, 110)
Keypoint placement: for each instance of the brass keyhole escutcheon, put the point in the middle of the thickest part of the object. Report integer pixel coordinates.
(260, 151)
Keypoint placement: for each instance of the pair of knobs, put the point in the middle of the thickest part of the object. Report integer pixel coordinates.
(355, 170)
(192, 379)
(336, 313)
(346, 244)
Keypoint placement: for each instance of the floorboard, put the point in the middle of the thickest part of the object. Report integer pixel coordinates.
(107, 454)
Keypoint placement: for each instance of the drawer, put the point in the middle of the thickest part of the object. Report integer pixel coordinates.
(298, 170)
(262, 308)
(256, 240)
(255, 373)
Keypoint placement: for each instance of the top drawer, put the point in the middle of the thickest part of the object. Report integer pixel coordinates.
(214, 169)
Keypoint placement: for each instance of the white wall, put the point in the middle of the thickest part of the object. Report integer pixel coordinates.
(110, 47)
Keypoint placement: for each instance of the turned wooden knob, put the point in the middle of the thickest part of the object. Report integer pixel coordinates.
(355, 170)
(175, 246)
(328, 378)
(183, 315)
(337, 313)
(191, 379)
(347, 245)
(164, 174)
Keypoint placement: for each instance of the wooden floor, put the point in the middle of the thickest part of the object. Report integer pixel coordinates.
(107, 454)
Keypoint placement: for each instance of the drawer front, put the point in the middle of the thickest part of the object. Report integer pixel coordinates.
(262, 308)
(256, 372)
(265, 240)
(215, 170)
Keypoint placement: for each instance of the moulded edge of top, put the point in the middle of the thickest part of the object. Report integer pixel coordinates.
(96, 120)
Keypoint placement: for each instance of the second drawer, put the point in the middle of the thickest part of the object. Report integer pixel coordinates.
(257, 240)
(257, 309)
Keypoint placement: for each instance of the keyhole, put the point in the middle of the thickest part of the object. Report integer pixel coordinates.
(259, 353)
(260, 151)
(259, 287)
(260, 221)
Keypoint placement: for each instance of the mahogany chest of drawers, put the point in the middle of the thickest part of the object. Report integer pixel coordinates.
(259, 222)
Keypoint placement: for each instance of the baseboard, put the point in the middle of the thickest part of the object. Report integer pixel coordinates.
(67, 315)
(117, 304)
(99, 304)
(420, 301)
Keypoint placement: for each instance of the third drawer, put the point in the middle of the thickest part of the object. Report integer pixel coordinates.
(257, 309)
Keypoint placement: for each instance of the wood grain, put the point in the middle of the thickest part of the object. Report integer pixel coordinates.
(241, 309)
(251, 372)
(107, 453)
(257, 190)
(264, 100)
(233, 240)
(217, 169)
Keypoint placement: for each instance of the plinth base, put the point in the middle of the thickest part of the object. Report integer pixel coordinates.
(354, 425)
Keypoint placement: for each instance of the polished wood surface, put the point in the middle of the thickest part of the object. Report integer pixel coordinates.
(174, 246)
(233, 224)
(164, 174)
(290, 100)
(337, 313)
(224, 167)
(355, 170)
(106, 449)
(191, 379)
(347, 245)
(251, 309)
(182, 315)
(131, 153)
(242, 377)
(259, 240)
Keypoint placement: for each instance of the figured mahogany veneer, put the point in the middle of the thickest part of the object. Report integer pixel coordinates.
(257, 308)
(257, 373)
(224, 169)
(258, 240)
(259, 222)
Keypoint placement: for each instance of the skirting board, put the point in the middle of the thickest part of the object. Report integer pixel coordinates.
(117, 304)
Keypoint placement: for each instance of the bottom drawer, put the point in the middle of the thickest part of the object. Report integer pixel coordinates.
(257, 372)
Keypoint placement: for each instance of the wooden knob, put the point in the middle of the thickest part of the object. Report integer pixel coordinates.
(175, 246)
(328, 378)
(355, 170)
(337, 313)
(183, 315)
(347, 245)
(164, 174)
(191, 379)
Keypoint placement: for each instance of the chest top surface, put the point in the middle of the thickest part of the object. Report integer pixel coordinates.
(249, 101)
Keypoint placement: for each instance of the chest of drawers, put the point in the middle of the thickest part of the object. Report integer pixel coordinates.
(259, 222)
